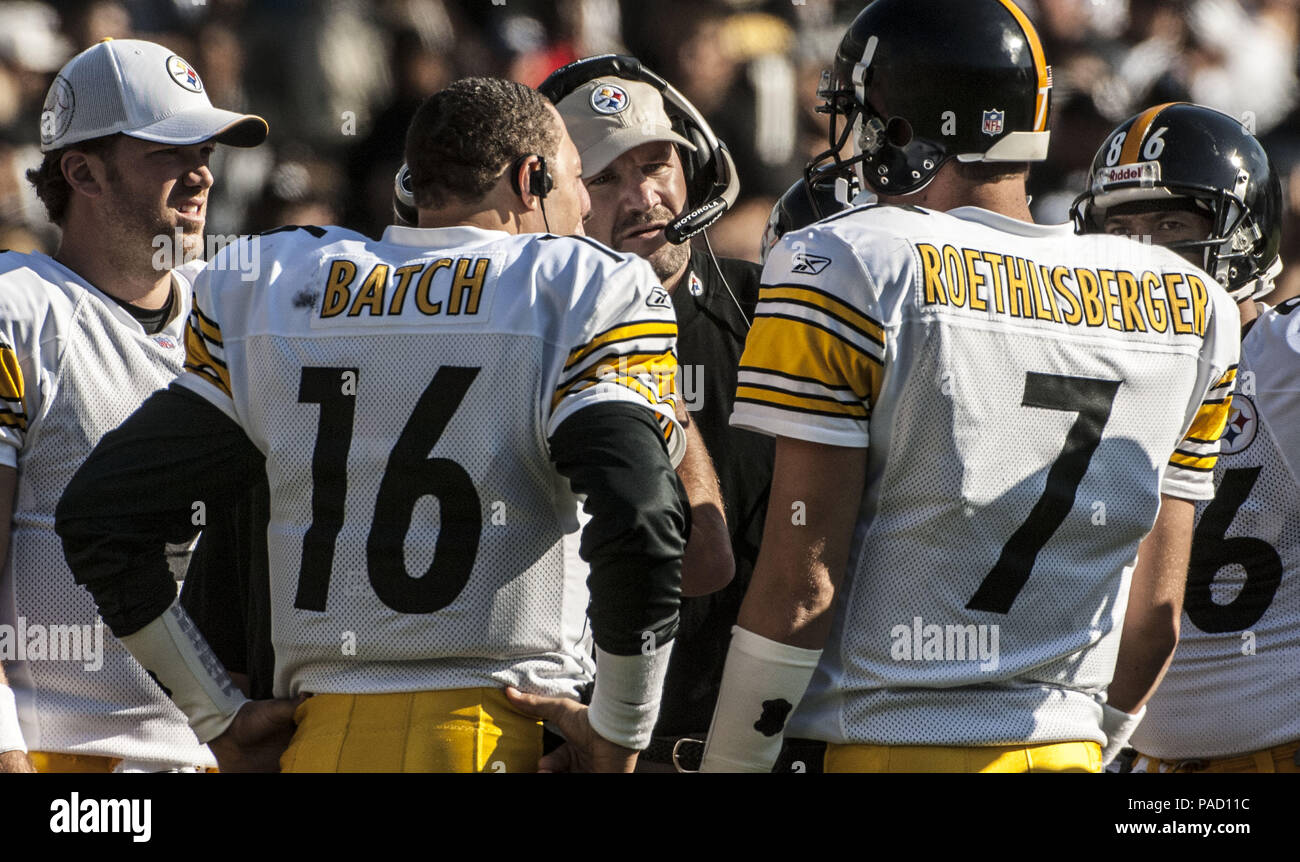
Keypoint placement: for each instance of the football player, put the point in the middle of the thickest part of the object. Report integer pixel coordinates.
(979, 420)
(425, 408)
(1197, 181)
(85, 336)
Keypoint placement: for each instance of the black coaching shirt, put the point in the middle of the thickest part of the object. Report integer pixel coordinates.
(710, 339)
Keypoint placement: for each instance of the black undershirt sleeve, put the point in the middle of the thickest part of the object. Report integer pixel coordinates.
(155, 479)
(614, 453)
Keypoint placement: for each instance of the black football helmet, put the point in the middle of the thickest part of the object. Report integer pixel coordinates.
(1180, 150)
(920, 82)
(800, 206)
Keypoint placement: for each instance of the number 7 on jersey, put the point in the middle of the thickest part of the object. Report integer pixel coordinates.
(1092, 400)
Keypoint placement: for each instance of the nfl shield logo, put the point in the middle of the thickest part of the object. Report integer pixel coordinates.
(993, 122)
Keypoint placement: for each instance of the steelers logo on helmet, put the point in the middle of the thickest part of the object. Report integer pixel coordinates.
(1243, 422)
(183, 74)
(609, 99)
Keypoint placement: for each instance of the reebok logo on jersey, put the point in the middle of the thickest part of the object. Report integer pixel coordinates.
(659, 298)
(809, 264)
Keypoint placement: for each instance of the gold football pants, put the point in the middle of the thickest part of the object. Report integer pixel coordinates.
(1282, 758)
(1056, 757)
(459, 730)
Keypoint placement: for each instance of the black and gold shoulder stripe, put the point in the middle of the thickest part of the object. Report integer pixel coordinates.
(811, 353)
(638, 355)
(631, 331)
(13, 396)
(1199, 449)
(204, 350)
(827, 304)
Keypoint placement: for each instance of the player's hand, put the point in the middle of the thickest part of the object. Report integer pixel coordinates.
(585, 750)
(16, 761)
(257, 737)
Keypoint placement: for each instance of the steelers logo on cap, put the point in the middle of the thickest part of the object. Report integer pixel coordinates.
(183, 73)
(60, 104)
(609, 99)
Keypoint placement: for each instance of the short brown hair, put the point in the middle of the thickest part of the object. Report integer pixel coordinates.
(48, 180)
(989, 172)
(464, 135)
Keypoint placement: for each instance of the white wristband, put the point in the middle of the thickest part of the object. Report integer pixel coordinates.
(1118, 726)
(173, 649)
(11, 732)
(763, 682)
(625, 704)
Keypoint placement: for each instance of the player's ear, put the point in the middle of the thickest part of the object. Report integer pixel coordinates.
(80, 174)
(521, 172)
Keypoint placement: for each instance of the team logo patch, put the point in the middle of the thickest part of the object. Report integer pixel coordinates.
(809, 264)
(57, 113)
(609, 99)
(775, 712)
(183, 74)
(1243, 422)
(697, 286)
(1145, 174)
(659, 298)
(993, 121)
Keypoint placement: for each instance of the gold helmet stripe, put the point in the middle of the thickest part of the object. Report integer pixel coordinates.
(1040, 63)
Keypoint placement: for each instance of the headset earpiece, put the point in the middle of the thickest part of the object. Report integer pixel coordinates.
(710, 172)
(540, 181)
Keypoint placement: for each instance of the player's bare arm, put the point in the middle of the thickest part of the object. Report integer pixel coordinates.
(1155, 606)
(786, 615)
(708, 565)
(810, 519)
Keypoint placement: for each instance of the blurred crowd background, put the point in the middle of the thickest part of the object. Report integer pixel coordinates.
(339, 79)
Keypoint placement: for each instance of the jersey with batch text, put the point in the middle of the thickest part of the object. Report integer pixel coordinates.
(1232, 685)
(1026, 395)
(75, 366)
(403, 392)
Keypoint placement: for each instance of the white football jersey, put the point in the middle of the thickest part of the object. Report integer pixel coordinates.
(1026, 396)
(1234, 683)
(403, 392)
(75, 366)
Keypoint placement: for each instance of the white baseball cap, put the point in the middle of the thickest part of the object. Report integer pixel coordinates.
(609, 116)
(140, 89)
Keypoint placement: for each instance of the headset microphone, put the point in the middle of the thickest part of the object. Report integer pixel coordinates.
(710, 170)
